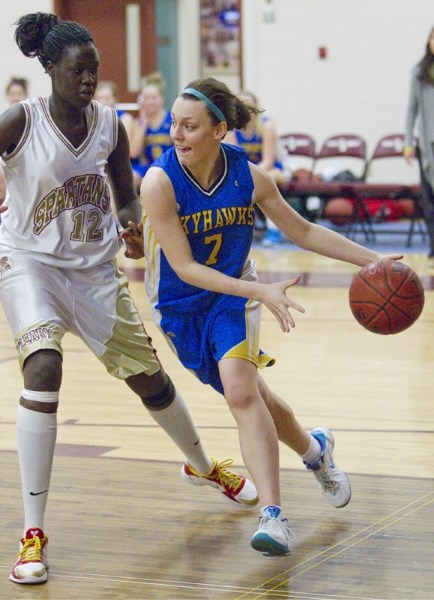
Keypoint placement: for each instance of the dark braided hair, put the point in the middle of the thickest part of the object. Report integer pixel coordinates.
(426, 63)
(46, 36)
(237, 113)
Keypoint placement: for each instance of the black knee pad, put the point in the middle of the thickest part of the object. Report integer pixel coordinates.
(161, 400)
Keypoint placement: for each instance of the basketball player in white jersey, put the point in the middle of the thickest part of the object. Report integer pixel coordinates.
(58, 241)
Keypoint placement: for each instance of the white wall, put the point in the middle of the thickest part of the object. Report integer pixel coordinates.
(13, 62)
(361, 87)
(189, 41)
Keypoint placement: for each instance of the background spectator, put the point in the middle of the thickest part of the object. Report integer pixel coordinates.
(259, 140)
(107, 92)
(17, 89)
(421, 109)
(151, 136)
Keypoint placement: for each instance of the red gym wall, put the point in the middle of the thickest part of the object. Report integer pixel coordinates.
(106, 21)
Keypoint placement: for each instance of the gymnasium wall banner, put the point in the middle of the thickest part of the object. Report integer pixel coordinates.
(220, 38)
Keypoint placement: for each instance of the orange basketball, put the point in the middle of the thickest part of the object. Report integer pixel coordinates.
(386, 297)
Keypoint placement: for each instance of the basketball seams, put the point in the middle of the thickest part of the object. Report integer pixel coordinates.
(386, 297)
(375, 288)
(394, 293)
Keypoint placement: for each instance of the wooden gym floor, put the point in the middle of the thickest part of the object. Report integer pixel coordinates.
(122, 524)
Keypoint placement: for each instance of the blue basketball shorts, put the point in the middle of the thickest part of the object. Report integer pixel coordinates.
(230, 329)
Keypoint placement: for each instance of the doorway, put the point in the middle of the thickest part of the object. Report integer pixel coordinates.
(113, 24)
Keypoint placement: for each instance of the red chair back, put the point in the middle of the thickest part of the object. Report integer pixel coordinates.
(297, 151)
(342, 152)
(387, 164)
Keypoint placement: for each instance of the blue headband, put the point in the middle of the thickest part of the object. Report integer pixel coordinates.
(213, 108)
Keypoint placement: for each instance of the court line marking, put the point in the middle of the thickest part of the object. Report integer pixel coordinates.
(373, 529)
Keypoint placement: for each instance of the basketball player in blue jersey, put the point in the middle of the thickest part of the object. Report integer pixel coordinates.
(260, 142)
(151, 134)
(107, 92)
(205, 295)
(58, 241)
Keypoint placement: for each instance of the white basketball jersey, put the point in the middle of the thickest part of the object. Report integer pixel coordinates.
(58, 195)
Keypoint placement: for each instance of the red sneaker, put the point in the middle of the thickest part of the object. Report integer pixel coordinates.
(32, 563)
(235, 488)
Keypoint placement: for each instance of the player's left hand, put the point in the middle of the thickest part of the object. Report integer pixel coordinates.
(390, 256)
(133, 238)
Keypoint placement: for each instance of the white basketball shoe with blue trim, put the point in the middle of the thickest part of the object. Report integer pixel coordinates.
(332, 481)
(273, 535)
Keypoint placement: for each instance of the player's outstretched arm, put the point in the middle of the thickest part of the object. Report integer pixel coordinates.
(304, 234)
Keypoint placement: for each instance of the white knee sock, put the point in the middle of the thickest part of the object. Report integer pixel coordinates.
(178, 424)
(36, 438)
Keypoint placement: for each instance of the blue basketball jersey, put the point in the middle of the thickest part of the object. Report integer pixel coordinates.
(218, 223)
(158, 140)
(252, 144)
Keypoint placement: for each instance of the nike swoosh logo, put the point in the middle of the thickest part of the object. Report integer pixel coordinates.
(38, 493)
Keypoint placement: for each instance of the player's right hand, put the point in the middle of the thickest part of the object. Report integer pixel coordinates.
(273, 295)
(409, 153)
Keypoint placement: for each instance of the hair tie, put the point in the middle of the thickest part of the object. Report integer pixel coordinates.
(213, 108)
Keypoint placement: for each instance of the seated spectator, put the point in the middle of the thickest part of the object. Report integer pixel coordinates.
(16, 90)
(259, 140)
(151, 135)
(107, 92)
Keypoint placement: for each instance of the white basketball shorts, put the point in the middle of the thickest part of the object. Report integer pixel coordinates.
(42, 303)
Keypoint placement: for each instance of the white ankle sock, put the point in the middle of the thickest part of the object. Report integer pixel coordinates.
(312, 456)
